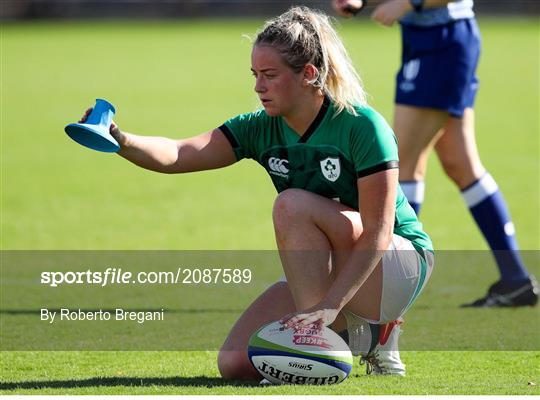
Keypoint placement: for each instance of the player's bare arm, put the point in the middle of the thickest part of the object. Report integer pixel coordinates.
(377, 194)
(209, 150)
(388, 12)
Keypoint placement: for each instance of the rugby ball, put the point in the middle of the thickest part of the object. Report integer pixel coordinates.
(309, 356)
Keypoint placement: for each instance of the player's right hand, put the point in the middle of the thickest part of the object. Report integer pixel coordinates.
(115, 132)
(347, 8)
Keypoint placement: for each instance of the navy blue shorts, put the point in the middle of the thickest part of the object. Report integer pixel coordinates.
(439, 66)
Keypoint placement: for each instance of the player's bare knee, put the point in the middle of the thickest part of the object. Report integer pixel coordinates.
(289, 204)
(234, 364)
(228, 364)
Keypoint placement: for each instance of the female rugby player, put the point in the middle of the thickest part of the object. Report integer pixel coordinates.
(334, 162)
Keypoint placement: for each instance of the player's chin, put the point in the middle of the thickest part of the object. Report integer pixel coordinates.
(271, 110)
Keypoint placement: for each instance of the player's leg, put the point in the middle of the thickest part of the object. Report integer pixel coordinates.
(459, 157)
(457, 150)
(274, 303)
(416, 130)
(405, 274)
(277, 301)
(308, 227)
(315, 236)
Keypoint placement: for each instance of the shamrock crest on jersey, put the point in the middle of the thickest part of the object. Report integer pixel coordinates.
(331, 168)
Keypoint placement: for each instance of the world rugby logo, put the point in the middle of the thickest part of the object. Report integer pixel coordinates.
(411, 69)
(410, 72)
(278, 166)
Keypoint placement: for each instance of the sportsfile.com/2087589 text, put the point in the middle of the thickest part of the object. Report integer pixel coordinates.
(117, 276)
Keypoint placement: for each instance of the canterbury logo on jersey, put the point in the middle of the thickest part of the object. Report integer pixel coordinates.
(278, 166)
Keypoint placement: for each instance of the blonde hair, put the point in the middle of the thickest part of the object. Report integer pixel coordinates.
(304, 36)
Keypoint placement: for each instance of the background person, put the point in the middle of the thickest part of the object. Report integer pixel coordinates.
(435, 92)
(334, 161)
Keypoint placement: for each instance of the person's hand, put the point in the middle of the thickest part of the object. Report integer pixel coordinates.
(322, 314)
(115, 132)
(390, 11)
(347, 8)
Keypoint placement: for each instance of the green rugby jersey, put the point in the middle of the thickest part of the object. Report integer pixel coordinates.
(328, 159)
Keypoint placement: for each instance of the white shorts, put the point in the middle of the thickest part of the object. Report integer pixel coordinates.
(405, 274)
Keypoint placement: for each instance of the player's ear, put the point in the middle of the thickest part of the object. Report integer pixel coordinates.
(311, 73)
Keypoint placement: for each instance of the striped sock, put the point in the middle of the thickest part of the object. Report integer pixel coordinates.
(414, 192)
(489, 210)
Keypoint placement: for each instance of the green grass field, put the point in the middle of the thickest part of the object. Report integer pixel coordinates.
(181, 78)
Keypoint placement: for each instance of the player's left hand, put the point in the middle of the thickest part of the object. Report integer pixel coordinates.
(321, 314)
(390, 11)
